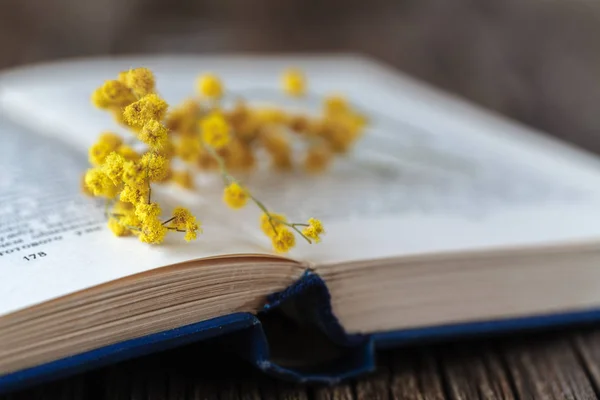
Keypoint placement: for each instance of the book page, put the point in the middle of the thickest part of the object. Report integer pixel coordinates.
(430, 175)
(435, 195)
(54, 240)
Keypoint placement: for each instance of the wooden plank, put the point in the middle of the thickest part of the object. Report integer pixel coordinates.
(474, 371)
(176, 383)
(415, 375)
(116, 382)
(587, 345)
(274, 390)
(338, 392)
(155, 380)
(73, 388)
(203, 391)
(565, 366)
(228, 391)
(376, 385)
(546, 367)
(249, 389)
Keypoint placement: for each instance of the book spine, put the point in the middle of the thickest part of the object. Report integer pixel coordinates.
(306, 341)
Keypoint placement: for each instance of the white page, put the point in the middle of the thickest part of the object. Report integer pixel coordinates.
(431, 175)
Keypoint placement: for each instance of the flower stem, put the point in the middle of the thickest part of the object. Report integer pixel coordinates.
(169, 220)
(228, 178)
(294, 227)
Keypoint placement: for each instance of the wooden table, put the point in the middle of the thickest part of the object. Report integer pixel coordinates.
(561, 364)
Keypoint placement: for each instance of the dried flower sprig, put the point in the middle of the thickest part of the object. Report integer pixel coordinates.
(205, 136)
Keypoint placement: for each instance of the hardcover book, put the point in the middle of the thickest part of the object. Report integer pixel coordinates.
(445, 220)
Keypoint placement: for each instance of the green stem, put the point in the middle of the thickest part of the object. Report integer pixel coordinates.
(264, 209)
(293, 226)
(227, 178)
(224, 174)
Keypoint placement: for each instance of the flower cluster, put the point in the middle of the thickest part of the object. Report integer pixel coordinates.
(204, 135)
(244, 133)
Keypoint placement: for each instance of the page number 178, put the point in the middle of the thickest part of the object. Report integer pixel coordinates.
(34, 256)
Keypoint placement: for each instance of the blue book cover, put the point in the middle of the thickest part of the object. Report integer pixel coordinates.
(253, 337)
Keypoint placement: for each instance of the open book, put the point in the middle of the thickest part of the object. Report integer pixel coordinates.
(444, 220)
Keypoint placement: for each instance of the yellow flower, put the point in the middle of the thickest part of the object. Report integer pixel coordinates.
(147, 211)
(122, 208)
(134, 194)
(188, 148)
(215, 131)
(124, 213)
(100, 184)
(238, 113)
(270, 115)
(293, 82)
(168, 149)
(248, 128)
(181, 217)
(314, 230)
(275, 141)
(156, 166)
(117, 113)
(317, 159)
(267, 224)
(240, 156)
(122, 76)
(98, 99)
(98, 153)
(153, 231)
(128, 153)
(282, 162)
(283, 241)
(140, 80)
(117, 229)
(112, 94)
(206, 161)
(359, 120)
(278, 146)
(182, 119)
(84, 188)
(145, 109)
(184, 220)
(235, 196)
(299, 123)
(340, 133)
(129, 219)
(111, 139)
(154, 134)
(191, 231)
(210, 86)
(113, 167)
(134, 174)
(183, 179)
(335, 105)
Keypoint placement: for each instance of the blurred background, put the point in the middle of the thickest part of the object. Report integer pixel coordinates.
(537, 61)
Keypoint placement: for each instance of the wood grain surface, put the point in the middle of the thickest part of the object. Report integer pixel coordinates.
(561, 364)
